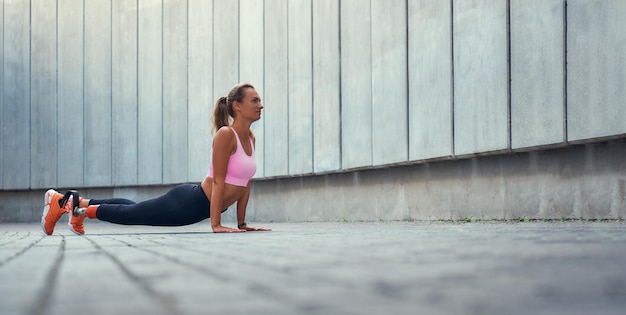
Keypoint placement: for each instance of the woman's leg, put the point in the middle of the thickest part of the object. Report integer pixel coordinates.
(76, 223)
(84, 203)
(112, 201)
(182, 205)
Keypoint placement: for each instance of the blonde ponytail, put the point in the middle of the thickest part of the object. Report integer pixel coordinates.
(221, 114)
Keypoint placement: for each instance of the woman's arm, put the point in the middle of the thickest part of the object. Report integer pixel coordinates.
(242, 204)
(224, 144)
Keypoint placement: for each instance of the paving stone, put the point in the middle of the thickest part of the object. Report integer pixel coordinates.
(573, 267)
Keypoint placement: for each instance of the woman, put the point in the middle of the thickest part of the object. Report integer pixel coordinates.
(227, 182)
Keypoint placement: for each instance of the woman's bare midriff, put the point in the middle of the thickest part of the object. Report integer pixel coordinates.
(232, 193)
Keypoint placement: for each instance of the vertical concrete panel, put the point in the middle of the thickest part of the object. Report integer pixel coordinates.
(43, 96)
(537, 59)
(596, 69)
(70, 89)
(276, 89)
(389, 82)
(430, 79)
(326, 86)
(97, 129)
(480, 76)
(356, 84)
(124, 92)
(300, 87)
(251, 66)
(1, 86)
(16, 111)
(175, 91)
(225, 46)
(200, 83)
(150, 92)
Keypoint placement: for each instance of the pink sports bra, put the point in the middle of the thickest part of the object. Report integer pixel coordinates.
(241, 166)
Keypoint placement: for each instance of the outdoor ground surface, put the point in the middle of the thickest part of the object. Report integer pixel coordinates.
(317, 268)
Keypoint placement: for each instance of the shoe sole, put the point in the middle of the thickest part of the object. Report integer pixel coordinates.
(46, 208)
(69, 224)
(46, 201)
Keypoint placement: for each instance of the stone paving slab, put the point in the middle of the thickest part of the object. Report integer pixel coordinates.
(317, 268)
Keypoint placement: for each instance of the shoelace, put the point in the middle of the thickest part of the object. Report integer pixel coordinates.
(63, 201)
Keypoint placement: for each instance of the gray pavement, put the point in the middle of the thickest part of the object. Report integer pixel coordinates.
(317, 268)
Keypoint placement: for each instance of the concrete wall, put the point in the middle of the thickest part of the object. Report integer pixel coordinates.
(107, 94)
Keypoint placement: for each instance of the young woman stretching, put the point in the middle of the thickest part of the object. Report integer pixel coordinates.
(228, 181)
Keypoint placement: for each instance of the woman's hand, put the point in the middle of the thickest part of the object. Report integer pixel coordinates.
(224, 229)
(251, 228)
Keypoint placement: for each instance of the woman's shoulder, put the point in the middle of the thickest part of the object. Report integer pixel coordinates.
(225, 130)
(224, 134)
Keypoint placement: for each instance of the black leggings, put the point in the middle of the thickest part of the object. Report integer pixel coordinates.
(182, 205)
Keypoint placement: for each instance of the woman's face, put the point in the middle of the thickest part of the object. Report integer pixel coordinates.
(250, 106)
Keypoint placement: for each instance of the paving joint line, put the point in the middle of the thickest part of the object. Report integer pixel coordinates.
(257, 287)
(10, 240)
(200, 269)
(21, 252)
(163, 300)
(45, 293)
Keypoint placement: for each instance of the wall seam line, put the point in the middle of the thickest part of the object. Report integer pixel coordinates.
(407, 156)
(565, 86)
(452, 81)
(508, 69)
(340, 87)
(30, 91)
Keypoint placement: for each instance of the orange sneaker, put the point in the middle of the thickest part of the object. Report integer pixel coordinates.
(55, 205)
(75, 223)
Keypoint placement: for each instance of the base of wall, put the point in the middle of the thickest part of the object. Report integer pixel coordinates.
(577, 182)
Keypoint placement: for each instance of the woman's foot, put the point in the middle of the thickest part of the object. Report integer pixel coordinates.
(55, 205)
(76, 222)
